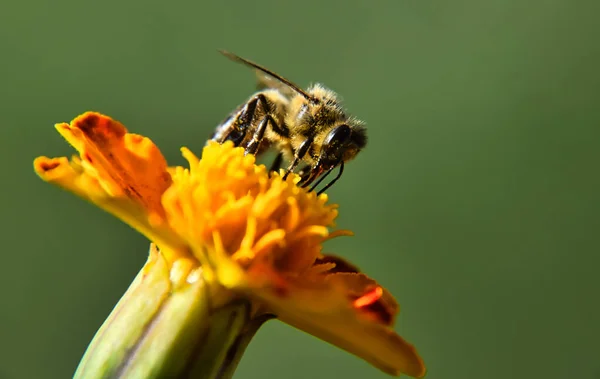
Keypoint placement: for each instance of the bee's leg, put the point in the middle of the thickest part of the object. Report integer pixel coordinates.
(261, 100)
(276, 165)
(304, 173)
(234, 128)
(314, 173)
(224, 129)
(309, 177)
(339, 175)
(298, 155)
(323, 176)
(258, 136)
(279, 129)
(291, 167)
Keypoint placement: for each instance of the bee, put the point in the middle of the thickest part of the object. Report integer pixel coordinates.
(309, 128)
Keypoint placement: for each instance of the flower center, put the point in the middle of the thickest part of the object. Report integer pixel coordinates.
(226, 202)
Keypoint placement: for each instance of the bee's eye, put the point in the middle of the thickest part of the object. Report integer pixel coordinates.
(338, 136)
(335, 143)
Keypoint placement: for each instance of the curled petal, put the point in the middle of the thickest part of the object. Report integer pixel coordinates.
(123, 173)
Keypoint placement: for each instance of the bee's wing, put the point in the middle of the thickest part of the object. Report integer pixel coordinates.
(264, 81)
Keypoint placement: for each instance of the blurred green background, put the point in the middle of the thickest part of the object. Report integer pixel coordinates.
(476, 202)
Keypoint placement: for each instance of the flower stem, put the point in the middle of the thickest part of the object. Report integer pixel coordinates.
(160, 329)
(237, 349)
(229, 323)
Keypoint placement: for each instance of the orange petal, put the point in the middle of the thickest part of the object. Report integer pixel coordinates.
(128, 164)
(346, 309)
(123, 173)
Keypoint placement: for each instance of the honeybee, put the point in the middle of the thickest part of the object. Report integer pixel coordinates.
(308, 128)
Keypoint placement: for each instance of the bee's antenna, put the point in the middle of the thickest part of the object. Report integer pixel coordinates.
(239, 59)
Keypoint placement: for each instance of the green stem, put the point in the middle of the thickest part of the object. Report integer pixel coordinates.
(158, 331)
(228, 325)
(237, 349)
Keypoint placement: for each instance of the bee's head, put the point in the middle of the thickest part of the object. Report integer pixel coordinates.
(342, 144)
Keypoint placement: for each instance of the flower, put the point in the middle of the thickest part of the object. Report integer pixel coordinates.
(253, 234)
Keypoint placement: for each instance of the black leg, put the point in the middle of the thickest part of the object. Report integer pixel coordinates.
(276, 165)
(313, 173)
(334, 179)
(299, 154)
(257, 138)
(320, 179)
(259, 135)
(236, 126)
(282, 130)
(291, 167)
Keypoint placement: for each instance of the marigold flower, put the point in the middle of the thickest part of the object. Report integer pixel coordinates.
(247, 233)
